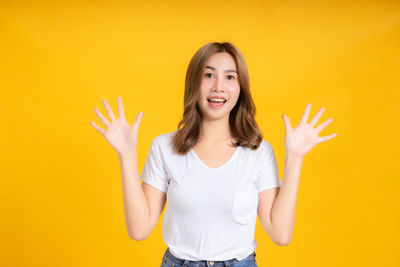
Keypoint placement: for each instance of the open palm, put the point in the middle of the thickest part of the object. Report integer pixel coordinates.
(304, 137)
(119, 134)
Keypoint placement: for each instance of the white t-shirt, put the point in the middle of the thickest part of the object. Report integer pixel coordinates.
(210, 212)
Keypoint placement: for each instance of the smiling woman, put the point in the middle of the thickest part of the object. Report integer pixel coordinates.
(216, 172)
(219, 178)
(217, 71)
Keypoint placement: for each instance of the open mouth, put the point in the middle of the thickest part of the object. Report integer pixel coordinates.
(216, 102)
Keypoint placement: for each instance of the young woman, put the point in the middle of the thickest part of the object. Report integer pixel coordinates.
(215, 171)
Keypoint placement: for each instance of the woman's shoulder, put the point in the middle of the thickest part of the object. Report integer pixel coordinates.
(263, 151)
(164, 140)
(265, 145)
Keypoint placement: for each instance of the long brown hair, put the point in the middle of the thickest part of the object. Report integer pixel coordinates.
(242, 123)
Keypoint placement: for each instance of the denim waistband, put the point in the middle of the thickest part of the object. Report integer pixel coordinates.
(169, 256)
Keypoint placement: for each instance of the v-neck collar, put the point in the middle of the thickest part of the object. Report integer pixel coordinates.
(220, 167)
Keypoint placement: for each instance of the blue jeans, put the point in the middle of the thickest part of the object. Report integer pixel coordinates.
(170, 260)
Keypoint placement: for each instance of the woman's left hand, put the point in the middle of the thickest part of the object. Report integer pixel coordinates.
(304, 137)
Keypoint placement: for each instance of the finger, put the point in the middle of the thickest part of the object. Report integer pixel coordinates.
(317, 117)
(121, 111)
(323, 125)
(137, 121)
(306, 113)
(101, 117)
(108, 110)
(286, 121)
(97, 127)
(326, 138)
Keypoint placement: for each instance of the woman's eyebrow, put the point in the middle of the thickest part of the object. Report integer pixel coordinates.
(209, 67)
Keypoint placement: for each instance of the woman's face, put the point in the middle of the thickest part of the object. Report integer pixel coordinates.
(219, 80)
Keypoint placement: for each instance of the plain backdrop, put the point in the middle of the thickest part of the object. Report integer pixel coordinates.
(60, 182)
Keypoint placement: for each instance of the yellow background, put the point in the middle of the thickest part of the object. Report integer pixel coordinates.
(61, 191)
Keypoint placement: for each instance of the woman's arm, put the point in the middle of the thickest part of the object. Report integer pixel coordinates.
(135, 203)
(123, 138)
(298, 142)
(284, 207)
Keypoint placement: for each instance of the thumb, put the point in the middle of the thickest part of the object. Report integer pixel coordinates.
(137, 121)
(286, 122)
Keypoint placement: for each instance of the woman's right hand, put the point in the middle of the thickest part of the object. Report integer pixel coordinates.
(119, 134)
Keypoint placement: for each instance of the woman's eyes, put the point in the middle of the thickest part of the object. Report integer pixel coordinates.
(208, 74)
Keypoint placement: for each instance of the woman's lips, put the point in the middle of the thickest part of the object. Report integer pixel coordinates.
(216, 105)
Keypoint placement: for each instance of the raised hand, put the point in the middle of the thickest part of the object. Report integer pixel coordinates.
(119, 134)
(304, 137)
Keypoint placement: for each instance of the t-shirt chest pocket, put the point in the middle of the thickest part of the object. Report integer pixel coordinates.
(244, 207)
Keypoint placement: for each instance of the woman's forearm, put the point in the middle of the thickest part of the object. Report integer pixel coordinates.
(284, 208)
(135, 202)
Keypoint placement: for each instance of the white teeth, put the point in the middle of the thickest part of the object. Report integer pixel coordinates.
(217, 99)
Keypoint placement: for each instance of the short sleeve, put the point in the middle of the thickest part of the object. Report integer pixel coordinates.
(267, 175)
(153, 171)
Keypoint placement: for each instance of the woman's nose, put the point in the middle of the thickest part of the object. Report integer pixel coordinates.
(219, 83)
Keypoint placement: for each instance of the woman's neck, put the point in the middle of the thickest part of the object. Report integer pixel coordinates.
(215, 131)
